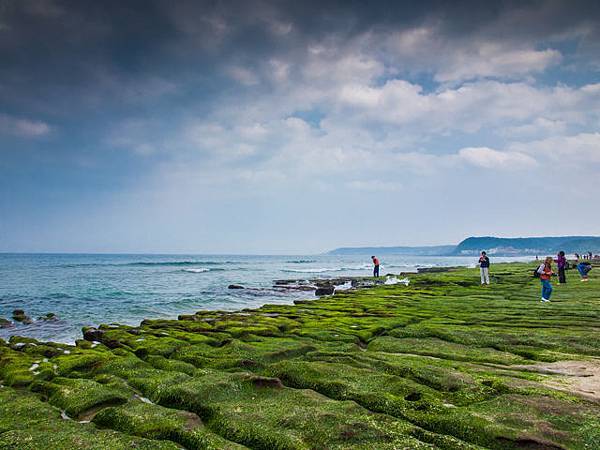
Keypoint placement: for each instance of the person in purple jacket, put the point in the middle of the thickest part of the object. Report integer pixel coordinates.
(561, 262)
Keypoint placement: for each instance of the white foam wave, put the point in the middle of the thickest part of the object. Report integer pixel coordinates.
(344, 287)
(198, 270)
(394, 280)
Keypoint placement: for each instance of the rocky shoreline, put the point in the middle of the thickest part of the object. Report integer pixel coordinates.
(438, 363)
(328, 286)
(320, 286)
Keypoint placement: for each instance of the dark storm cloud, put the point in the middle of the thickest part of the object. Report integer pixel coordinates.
(59, 53)
(62, 58)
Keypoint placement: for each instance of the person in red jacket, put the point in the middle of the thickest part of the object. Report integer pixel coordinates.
(545, 271)
(375, 266)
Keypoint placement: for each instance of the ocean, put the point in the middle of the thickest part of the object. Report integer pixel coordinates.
(90, 289)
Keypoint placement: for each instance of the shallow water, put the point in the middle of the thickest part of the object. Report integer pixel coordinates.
(92, 289)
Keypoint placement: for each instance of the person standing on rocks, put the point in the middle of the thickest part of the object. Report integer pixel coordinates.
(484, 268)
(545, 271)
(375, 266)
(561, 263)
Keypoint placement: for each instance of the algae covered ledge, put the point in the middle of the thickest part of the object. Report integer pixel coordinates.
(441, 363)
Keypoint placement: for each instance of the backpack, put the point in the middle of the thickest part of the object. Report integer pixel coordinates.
(537, 272)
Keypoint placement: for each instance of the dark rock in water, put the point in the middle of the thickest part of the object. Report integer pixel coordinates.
(235, 286)
(19, 316)
(290, 281)
(49, 317)
(294, 287)
(326, 290)
(5, 323)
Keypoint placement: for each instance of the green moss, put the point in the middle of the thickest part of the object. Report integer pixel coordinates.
(174, 365)
(443, 349)
(30, 424)
(442, 363)
(78, 396)
(157, 422)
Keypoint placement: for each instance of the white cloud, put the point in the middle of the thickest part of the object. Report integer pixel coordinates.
(470, 107)
(362, 121)
(493, 159)
(492, 60)
(540, 126)
(23, 127)
(426, 48)
(580, 150)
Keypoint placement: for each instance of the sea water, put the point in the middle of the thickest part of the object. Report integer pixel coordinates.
(84, 290)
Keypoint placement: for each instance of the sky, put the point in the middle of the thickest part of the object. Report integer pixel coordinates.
(286, 127)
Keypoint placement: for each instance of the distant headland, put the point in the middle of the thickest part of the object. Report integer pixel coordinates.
(492, 245)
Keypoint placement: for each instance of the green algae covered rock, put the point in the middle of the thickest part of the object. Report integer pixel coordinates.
(441, 363)
(26, 422)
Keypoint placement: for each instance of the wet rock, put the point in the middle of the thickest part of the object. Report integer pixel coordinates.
(19, 316)
(190, 317)
(294, 287)
(99, 335)
(92, 334)
(326, 290)
(4, 323)
(50, 317)
(235, 286)
(288, 281)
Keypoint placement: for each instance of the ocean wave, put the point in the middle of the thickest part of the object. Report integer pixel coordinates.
(179, 263)
(203, 269)
(151, 264)
(326, 269)
(301, 261)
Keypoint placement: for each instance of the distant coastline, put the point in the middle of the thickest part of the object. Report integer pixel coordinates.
(471, 246)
